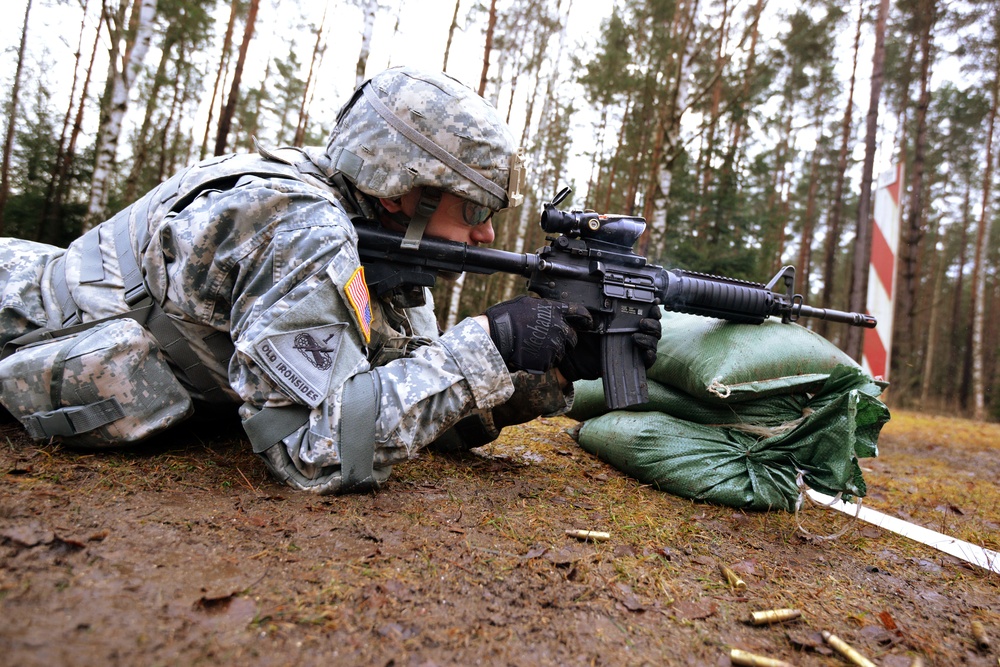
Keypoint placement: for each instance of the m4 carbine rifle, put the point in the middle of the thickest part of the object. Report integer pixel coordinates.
(591, 262)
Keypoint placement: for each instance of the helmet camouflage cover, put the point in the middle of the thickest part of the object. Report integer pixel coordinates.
(405, 129)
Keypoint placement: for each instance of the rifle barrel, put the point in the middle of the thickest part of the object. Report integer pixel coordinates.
(854, 319)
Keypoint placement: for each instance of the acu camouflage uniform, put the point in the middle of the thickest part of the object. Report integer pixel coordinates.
(254, 262)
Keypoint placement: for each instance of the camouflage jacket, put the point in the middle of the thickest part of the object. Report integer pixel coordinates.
(262, 252)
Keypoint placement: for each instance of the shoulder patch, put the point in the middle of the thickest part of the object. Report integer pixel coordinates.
(302, 360)
(356, 291)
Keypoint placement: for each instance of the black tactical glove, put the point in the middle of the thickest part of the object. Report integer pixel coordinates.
(533, 334)
(648, 336)
(584, 360)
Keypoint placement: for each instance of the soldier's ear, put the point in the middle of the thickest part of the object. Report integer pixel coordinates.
(392, 205)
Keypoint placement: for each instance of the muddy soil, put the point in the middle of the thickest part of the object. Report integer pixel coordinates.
(188, 554)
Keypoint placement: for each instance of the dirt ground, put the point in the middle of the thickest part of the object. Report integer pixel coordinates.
(188, 554)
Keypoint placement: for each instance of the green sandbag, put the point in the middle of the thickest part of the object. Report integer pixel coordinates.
(729, 465)
(717, 361)
(769, 411)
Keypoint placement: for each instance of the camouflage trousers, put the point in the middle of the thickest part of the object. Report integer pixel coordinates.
(22, 267)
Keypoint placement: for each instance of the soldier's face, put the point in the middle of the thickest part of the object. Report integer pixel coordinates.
(449, 219)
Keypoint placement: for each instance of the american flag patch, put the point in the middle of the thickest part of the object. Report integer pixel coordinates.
(356, 290)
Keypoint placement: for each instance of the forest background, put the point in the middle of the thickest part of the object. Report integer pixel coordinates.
(747, 132)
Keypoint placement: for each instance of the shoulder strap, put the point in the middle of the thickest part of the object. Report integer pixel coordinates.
(169, 339)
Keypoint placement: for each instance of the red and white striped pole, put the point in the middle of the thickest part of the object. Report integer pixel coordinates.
(882, 273)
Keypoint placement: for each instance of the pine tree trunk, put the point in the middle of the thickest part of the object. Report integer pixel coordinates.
(863, 241)
(517, 221)
(982, 248)
(8, 144)
(613, 165)
(809, 223)
(455, 298)
(777, 200)
(165, 162)
(261, 95)
(649, 199)
(141, 152)
(810, 218)
(524, 215)
(66, 163)
(366, 41)
(685, 26)
(784, 215)
(57, 174)
(395, 27)
(518, 70)
(958, 379)
(597, 157)
(727, 179)
(837, 209)
(227, 43)
(317, 55)
(455, 293)
(933, 323)
(908, 294)
(226, 118)
(906, 79)
(487, 50)
(638, 165)
(707, 172)
(109, 133)
(451, 34)
(178, 150)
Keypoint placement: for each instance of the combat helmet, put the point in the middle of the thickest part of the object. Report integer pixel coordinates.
(405, 129)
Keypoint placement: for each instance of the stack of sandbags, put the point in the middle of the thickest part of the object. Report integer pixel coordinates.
(738, 412)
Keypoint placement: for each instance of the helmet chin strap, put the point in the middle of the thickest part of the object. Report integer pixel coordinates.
(429, 200)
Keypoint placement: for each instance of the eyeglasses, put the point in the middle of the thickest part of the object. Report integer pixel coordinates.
(475, 214)
(472, 213)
